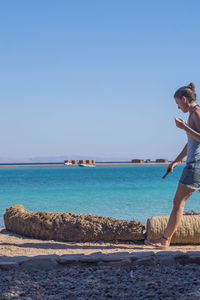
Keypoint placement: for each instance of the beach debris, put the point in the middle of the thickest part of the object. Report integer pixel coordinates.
(70, 226)
(188, 232)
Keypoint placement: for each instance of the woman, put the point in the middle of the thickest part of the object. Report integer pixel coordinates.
(185, 98)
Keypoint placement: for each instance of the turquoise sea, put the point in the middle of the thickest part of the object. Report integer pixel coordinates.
(124, 192)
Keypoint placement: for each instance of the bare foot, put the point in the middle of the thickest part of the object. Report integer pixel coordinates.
(159, 243)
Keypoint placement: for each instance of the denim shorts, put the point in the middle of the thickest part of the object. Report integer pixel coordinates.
(191, 175)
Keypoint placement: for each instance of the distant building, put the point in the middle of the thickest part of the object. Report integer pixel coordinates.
(137, 161)
(147, 161)
(87, 162)
(162, 160)
(82, 161)
(67, 161)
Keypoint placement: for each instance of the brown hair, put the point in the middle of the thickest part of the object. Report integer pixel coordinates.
(187, 91)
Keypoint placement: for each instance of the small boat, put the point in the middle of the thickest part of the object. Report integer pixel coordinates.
(68, 164)
(85, 165)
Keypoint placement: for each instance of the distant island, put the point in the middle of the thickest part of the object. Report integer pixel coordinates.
(73, 163)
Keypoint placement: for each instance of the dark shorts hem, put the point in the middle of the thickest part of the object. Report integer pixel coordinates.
(191, 175)
(190, 186)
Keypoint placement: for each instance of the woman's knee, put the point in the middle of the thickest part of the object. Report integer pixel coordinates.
(183, 193)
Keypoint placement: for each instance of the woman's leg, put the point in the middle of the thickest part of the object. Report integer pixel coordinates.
(182, 194)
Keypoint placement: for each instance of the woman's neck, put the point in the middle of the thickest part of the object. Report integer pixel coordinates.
(192, 107)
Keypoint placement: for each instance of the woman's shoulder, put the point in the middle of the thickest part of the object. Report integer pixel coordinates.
(195, 119)
(196, 113)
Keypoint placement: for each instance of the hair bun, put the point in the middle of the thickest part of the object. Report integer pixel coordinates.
(186, 91)
(191, 86)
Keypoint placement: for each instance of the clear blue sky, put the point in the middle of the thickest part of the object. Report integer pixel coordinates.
(95, 78)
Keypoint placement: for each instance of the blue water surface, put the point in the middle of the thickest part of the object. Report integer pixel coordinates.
(124, 192)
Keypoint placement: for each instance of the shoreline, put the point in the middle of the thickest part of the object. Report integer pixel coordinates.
(97, 164)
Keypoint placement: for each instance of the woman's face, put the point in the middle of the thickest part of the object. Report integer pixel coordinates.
(182, 104)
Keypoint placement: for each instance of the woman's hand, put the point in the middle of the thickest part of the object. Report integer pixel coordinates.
(171, 167)
(180, 123)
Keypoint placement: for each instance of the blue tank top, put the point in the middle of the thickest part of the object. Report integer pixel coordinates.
(193, 147)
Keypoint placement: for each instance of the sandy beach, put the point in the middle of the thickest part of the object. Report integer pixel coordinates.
(28, 270)
(13, 245)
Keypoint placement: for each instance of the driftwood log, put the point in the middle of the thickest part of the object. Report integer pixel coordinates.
(188, 232)
(70, 227)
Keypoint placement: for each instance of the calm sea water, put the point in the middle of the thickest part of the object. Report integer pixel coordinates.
(124, 192)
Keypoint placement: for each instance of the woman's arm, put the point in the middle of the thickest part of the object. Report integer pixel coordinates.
(194, 122)
(181, 156)
(193, 133)
(177, 160)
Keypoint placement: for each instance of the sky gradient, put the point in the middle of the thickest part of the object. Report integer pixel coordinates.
(95, 78)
